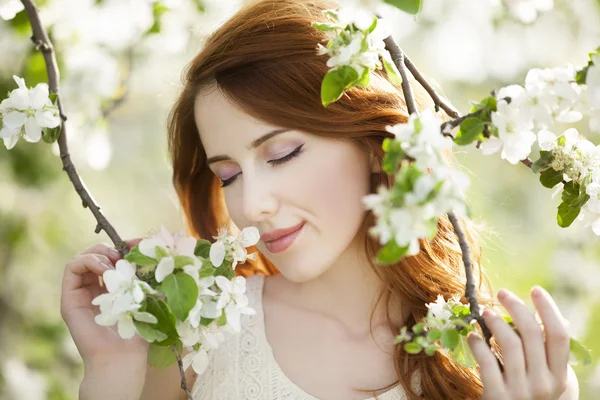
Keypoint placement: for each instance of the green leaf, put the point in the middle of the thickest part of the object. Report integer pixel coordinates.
(182, 261)
(542, 163)
(202, 248)
(50, 135)
(325, 26)
(487, 105)
(226, 271)
(573, 198)
(566, 214)
(206, 270)
(392, 72)
(409, 6)
(469, 130)
(166, 320)
(149, 332)
(182, 293)
(53, 97)
(431, 349)
(434, 334)
(582, 354)
(161, 356)
(391, 253)
(394, 154)
(335, 82)
(550, 178)
(134, 256)
(462, 353)
(418, 328)
(373, 25)
(364, 79)
(206, 321)
(160, 253)
(222, 320)
(412, 348)
(450, 339)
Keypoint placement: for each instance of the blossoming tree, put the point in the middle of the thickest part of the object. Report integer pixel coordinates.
(177, 291)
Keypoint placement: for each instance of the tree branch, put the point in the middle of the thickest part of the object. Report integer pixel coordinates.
(471, 294)
(42, 42)
(182, 373)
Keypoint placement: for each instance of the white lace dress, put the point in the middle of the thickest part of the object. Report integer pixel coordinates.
(244, 367)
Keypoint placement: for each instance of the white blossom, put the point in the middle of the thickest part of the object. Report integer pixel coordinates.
(125, 295)
(421, 139)
(515, 135)
(26, 112)
(233, 248)
(10, 8)
(233, 300)
(178, 244)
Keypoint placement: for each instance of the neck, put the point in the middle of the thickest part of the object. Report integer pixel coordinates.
(348, 292)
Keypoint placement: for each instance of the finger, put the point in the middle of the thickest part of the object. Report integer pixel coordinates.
(110, 252)
(490, 373)
(557, 336)
(532, 336)
(512, 348)
(77, 267)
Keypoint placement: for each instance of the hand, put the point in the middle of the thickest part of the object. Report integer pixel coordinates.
(535, 367)
(99, 346)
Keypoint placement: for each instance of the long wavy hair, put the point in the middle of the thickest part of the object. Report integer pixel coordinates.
(264, 60)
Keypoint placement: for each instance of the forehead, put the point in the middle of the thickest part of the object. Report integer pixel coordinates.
(222, 125)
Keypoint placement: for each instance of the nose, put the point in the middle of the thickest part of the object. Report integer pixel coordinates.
(259, 199)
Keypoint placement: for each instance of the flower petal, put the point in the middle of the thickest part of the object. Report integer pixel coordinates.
(148, 247)
(125, 327)
(249, 236)
(125, 269)
(33, 131)
(14, 119)
(217, 253)
(47, 118)
(38, 96)
(165, 267)
(200, 362)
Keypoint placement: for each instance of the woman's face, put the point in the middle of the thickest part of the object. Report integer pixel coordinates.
(317, 181)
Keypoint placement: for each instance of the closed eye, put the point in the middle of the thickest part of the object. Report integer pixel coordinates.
(277, 162)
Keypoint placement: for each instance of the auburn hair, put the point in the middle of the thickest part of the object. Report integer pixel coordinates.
(264, 60)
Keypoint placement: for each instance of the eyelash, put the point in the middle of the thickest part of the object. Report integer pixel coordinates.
(277, 162)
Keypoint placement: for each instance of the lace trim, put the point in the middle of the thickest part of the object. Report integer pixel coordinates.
(244, 366)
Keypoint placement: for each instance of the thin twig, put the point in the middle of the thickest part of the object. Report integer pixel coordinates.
(471, 294)
(42, 42)
(182, 372)
(439, 101)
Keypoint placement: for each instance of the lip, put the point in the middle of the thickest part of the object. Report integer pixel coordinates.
(280, 239)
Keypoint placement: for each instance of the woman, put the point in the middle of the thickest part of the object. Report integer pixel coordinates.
(252, 145)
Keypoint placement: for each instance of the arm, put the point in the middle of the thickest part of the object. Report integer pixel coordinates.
(165, 383)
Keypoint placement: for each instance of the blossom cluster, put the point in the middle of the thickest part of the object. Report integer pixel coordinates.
(27, 113)
(410, 209)
(549, 96)
(443, 328)
(355, 48)
(173, 289)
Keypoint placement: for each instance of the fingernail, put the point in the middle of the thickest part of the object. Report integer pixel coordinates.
(502, 294)
(106, 266)
(115, 252)
(537, 291)
(487, 313)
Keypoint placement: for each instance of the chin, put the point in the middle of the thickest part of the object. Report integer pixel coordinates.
(301, 274)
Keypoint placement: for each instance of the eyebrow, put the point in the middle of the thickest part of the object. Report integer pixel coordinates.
(253, 145)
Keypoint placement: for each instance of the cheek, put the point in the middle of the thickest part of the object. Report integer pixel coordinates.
(332, 190)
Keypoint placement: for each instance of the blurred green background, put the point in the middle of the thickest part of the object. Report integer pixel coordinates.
(136, 50)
